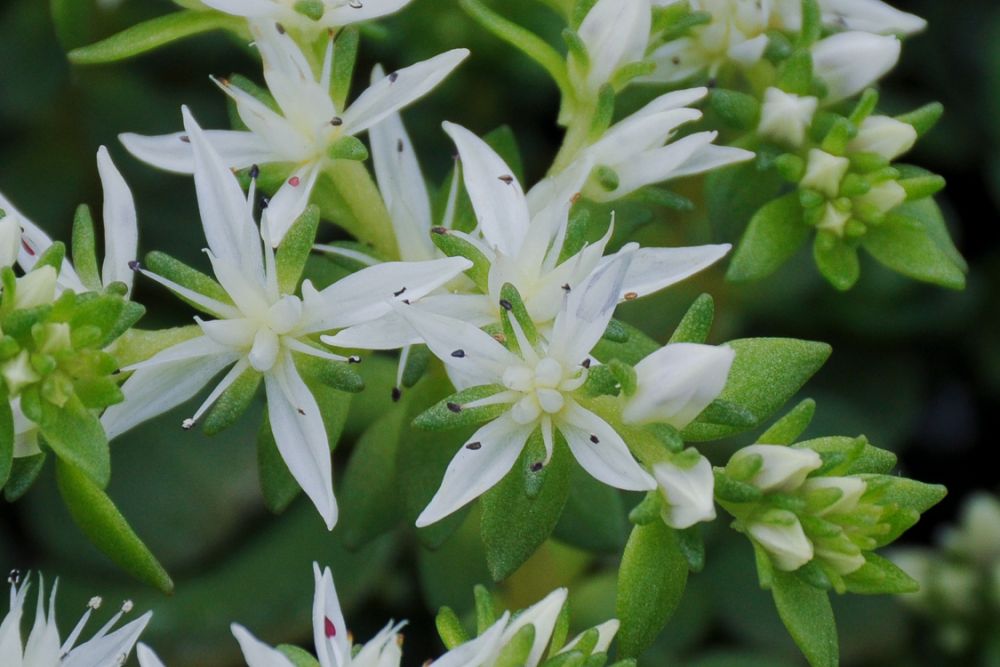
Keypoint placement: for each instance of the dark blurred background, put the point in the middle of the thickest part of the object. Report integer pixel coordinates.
(915, 368)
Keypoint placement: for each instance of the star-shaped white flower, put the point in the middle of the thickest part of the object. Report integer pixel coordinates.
(334, 645)
(307, 125)
(312, 15)
(263, 328)
(522, 236)
(537, 384)
(44, 647)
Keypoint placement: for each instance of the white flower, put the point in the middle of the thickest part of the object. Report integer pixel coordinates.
(872, 16)
(734, 35)
(308, 125)
(523, 237)
(10, 239)
(320, 15)
(688, 490)
(334, 644)
(538, 385)
(37, 288)
(843, 561)
(834, 220)
(785, 117)
(849, 62)
(851, 489)
(44, 647)
(263, 328)
(824, 172)
(782, 468)
(676, 383)
(883, 197)
(486, 649)
(640, 150)
(884, 136)
(616, 33)
(781, 535)
(978, 537)
(121, 234)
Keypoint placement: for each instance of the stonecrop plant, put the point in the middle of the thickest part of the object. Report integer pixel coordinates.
(523, 397)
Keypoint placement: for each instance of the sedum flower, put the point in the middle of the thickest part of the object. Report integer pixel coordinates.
(535, 385)
(10, 239)
(44, 648)
(849, 62)
(778, 468)
(260, 327)
(872, 16)
(334, 644)
(309, 15)
(884, 136)
(687, 485)
(785, 117)
(780, 534)
(307, 131)
(615, 34)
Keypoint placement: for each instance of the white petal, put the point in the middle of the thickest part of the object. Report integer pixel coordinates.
(673, 100)
(367, 294)
(158, 387)
(335, 650)
(248, 8)
(849, 62)
(255, 652)
(783, 469)
(111, 649)
(121, 232)
(172, 152)
(225, 214)
(286, 141)
(677, 60)
(300, 435)
(402, 185)
(688, 492)
(653, 269)
(605, 635)
(399, 89)
(10, 629)
(482, 358)
(290, 201)
(474, 471)
(478, 652)
(636, 134)
(542, 616)
(677, 382)
(748, 52)
(42, 645)
(347, 13)
(497, 197)
(147, 658)
(870, 16)
(609, 459)
(615, 34)
(34, 242)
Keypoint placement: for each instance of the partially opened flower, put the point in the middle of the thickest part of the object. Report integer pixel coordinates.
(849, 62)
(260, 329)
(615, 34)
(44, 648)
(310, 15)
(532, 385)
(687, 485)
(872, 16)
(307, 131)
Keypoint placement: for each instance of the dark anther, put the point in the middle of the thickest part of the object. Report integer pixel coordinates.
(336, 121)
(354, 359)
(399, 146)
(301, 411)
(586, 363)
(406, 301)
(280, 28)
(455, 407)
(264, 202)
(397, 394)
(507, 178)
(393, 77)
(399, 293)
(567, 287)
(135, 265)
(439, 230)
(185, 139)
(506, 305)
(458, 354)
(254, 172)
(474, 446)
(536, 467)
(594, 439)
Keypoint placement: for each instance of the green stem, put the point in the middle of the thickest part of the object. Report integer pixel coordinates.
(581, 119)
(363, 212)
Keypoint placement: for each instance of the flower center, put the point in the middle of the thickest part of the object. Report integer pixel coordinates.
(543, 388)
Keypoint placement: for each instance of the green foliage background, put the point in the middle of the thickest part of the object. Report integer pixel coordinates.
(915, 368)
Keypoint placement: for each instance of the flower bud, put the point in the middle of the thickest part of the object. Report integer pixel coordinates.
(37, 288)
(688, 489)
(782, 468)
(18, 373)
(785, 117)
(849, 62)
(10, 239)
(882, 198)
(615, 34)
(780, 534)
(834, 220)
(676, 383)
(25, 432)
(851, 489)
(824, 172)
(979, 535)
(840, 553)
(884, 136)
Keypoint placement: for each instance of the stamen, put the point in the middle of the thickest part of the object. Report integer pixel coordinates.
(294, 181)
(474, 446)
(397, 394)
(337, 121)
(399, 146)
(134, 265)
(507, 178)
(127, 606)
(506, 305)
(254, 172)
(537, 466)
(14, 577)
(500, 338)
(400, 292)
(354, 359)
(95, 602)
(631, 296)
(594, 439)
(329, 628)
(586, 362)
(458, 354)
(280, 28)
(393, 77)
(567, 287)
(439, 230)
(185, 138)
(575, 198)
(187, 424)
(455, 407)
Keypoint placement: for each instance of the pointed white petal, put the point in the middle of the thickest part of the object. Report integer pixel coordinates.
(110, 649)
(474, 471)
(677, 60)
(871, 16)
(347, 13)
(543, 616)
(286, 141)
(158, 387)
(10, 628)
(121, 232)
(329, 627)
(248, 8)
(673, 100)
(42, 645)
(399, 89)
(172, 152)
(615, 33)
(633, 136)
(482, 357)
(34, 242)
(290, 201)
(849, 62)
(657, 165)
(225, 214)
(300, 435)
(609, 459)
(255, 652)
(478, 652)
(677, 382)
(605, 635)
(688, 492)
(147, 658)
(653, 269)
(500, 204)
(367, 294)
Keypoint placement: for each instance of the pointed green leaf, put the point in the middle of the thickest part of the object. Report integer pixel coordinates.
(837, 261)
(449, 413)
(515, 652)
(775, 233)
(696, 324)
(345, 54)
(807, 615)
(486, 610)
(290, 258)
(77, 437)
(155, 33)
(177, 271)
(454, 245)
(85, 248)
(880, 576)
(23, 474)
(594, 516)
(6, 440)
(787, 430)
(233, 403)
(107, 529)
(450, 628)
(651, 582)
(298, 657)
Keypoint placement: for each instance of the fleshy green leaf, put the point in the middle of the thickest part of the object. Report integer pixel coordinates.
(233, 403)
(77, 437)
(880, 576)
(155, 33)
(177, 271)
(449, 413)
(736, 109)
(23, 474)
(651, 582)
(455, 246)
(290, 258)
(450, 628)
(775, 233)
(345, 54)
(807, 615)
(696, 324)
(594, 516)
(787, 430)
(837, 261)
(104, 525)
(6, 440)
(298, 657)
(85, 248)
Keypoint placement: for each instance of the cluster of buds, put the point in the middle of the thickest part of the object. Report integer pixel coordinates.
(822, 507)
